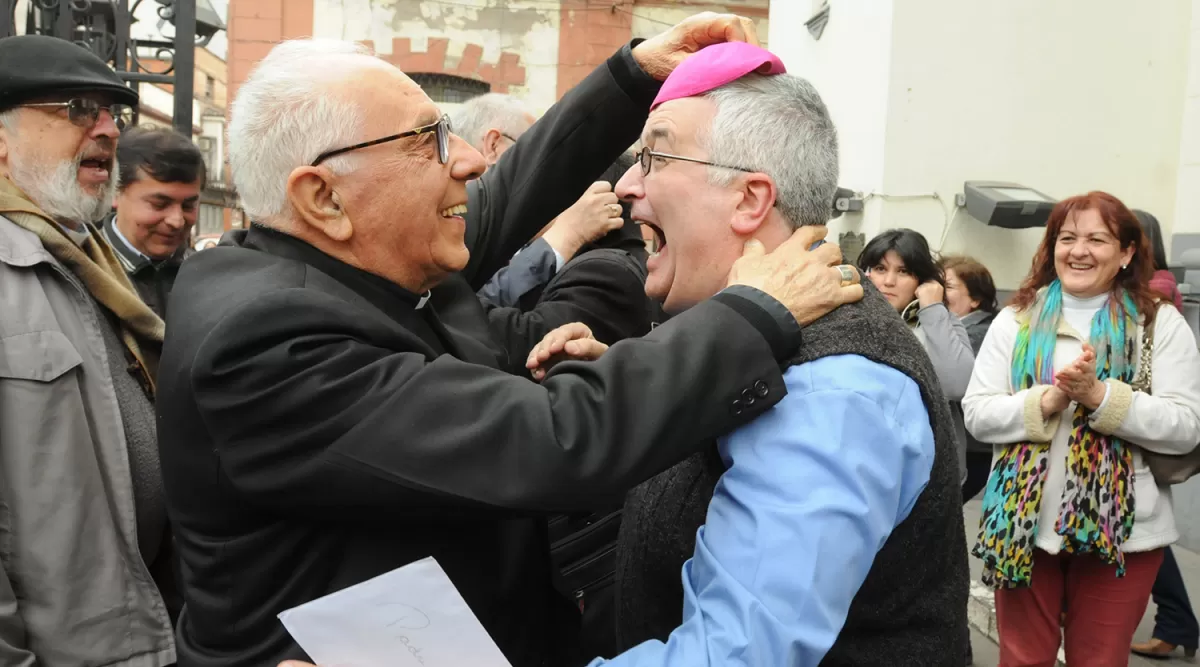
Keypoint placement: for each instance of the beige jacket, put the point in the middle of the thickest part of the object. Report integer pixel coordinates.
(73, 587)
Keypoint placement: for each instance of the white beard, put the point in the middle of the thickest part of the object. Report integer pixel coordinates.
(56, 189)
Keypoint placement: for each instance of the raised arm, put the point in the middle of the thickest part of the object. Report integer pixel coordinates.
(555, 161)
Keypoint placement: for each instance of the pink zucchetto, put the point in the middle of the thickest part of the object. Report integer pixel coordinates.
(715, 66)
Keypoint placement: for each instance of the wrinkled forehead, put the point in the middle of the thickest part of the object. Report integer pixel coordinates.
(678, 123)
(390, 101)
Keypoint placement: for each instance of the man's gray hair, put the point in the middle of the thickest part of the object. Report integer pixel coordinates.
(8, 120)
(287, 113)
(492, 111)
(779, 126)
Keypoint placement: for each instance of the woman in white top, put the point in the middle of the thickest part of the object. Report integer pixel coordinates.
(1071, 514)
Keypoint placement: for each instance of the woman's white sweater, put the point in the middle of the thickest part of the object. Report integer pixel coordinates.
(1166, 420)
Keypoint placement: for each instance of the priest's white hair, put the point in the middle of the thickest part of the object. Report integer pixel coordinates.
(285, 115)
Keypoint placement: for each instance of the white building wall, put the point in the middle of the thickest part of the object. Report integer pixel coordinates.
(850, 66)
(1187, 189)
(1063, 97)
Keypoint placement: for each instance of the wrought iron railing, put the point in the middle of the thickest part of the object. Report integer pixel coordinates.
(103, 26)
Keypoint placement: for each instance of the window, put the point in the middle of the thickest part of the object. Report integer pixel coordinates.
(211, 219)
(449, 88)
(208, 148)
(210, 86)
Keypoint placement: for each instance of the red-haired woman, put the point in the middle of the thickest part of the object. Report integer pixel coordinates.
(1071, 514)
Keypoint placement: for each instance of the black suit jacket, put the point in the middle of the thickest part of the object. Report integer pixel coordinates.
(320, 426)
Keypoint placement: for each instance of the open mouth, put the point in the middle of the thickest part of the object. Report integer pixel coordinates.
(454, 211)
(97, 163)
(1079, 267)
(659, 243)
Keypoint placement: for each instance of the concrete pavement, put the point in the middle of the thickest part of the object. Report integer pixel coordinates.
(982, 615)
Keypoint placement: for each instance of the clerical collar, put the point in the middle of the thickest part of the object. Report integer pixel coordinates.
(375, 288)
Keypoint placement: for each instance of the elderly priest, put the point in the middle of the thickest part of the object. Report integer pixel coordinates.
(332, 403)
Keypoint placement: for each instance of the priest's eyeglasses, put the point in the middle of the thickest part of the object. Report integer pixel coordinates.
(441, 130)
(646, 158)
(86, 113)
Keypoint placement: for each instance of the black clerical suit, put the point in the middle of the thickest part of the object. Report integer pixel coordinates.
(320, 426)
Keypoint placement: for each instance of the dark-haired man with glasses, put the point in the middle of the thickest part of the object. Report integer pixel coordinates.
(84, 564)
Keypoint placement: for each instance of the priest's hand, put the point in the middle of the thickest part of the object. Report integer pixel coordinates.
(570, 341)
(809, 282)
(661, 54)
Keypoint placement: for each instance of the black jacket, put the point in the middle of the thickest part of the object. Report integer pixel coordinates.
(319, 427)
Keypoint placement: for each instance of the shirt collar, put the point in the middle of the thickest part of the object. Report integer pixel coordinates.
(131, 257)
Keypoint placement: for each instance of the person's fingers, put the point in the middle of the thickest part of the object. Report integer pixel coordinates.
(851, 293)
(753, 248)
(846, 274)
(600, 186)
(803, 238)
(828, 253)
(606, 199)
(749, 31)
(586, 349)
(732, 28)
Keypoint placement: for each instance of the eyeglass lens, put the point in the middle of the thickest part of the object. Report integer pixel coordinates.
(644, 157)
(85, 113)
(443, 139)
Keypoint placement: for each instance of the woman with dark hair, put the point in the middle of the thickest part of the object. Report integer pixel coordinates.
(971, 295)
(900, 265)
(1072, 516)
(1175, 624)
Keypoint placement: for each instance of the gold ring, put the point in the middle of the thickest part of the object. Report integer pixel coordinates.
(615, 208)
(849, 274)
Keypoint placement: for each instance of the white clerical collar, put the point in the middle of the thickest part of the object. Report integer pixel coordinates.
(423, 301)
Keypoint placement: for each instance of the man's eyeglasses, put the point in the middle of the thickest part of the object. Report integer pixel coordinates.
(646, 157)
(85, 113)
(441, 130)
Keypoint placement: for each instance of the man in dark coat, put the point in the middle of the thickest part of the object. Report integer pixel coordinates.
(332, 403)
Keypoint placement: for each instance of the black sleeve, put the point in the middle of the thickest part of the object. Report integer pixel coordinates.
(602, 288)
(555, 161)
(308, 417)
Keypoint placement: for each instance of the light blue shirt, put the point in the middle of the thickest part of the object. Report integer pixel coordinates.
(813, 489)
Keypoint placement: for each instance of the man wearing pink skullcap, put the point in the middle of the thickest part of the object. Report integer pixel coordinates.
(828, 530)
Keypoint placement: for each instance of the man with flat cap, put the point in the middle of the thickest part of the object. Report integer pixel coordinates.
(84, 566)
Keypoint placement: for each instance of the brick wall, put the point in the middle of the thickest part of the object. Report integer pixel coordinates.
(587, 36)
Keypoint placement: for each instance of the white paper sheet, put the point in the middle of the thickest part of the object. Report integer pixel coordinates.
(411, 616)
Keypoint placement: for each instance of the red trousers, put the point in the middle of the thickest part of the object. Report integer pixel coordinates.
(1102, 611)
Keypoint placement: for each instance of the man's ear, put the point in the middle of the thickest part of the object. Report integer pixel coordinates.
(491, 145)
(756, 203)
(311, 194)
(5, 138)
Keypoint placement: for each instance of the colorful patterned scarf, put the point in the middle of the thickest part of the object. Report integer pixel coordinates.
(1098, 504)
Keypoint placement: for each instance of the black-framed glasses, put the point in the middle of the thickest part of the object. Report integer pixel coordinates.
(509, 137)
(86, 113)
(646, 156)
(441, 130)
